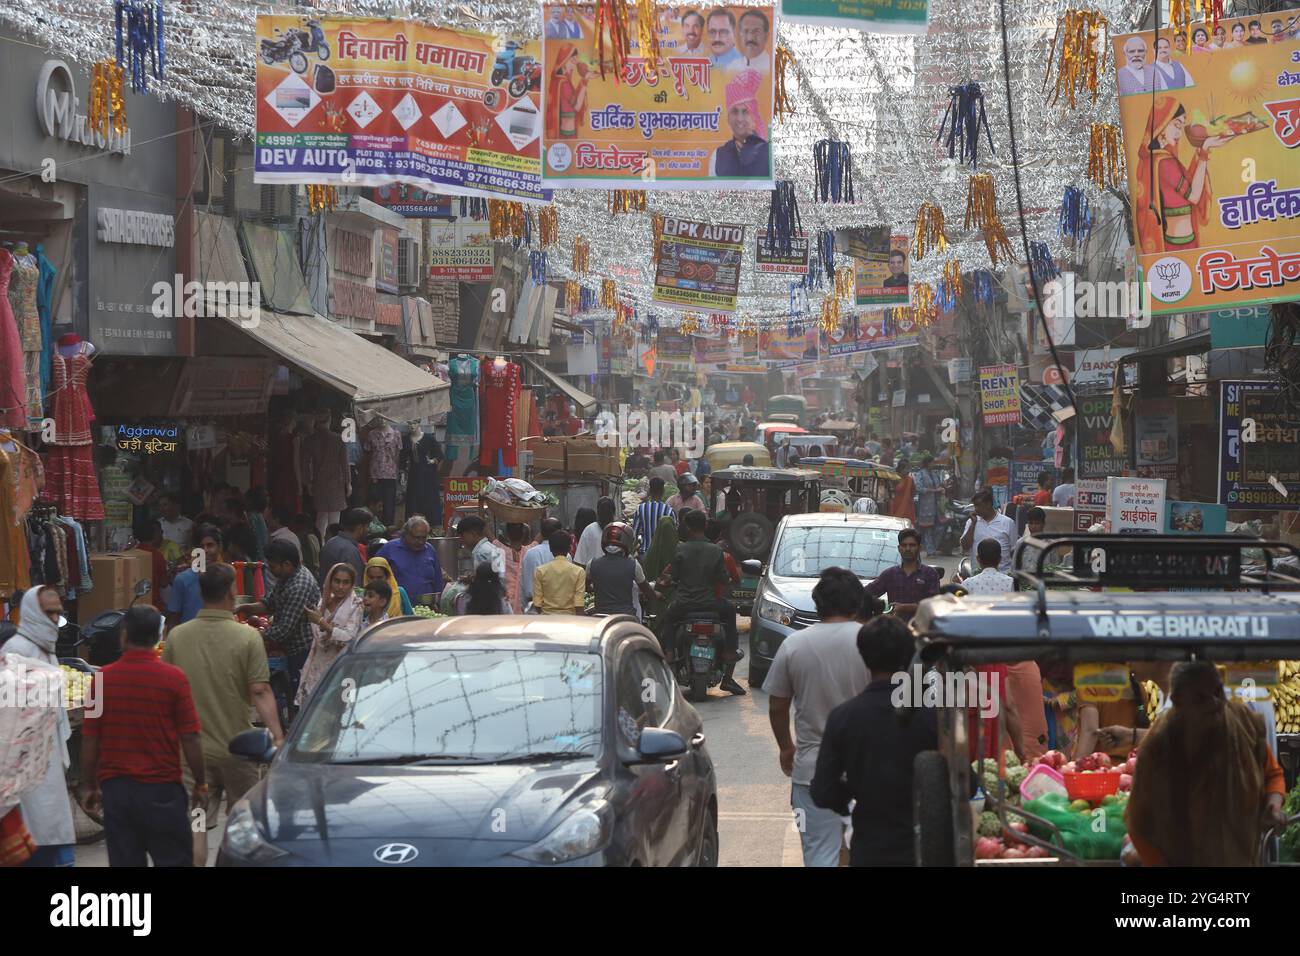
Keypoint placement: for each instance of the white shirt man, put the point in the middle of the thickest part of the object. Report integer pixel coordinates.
(489, 552)
(989, 581)
(999, 527)
(1063, 496)
(1136, 75)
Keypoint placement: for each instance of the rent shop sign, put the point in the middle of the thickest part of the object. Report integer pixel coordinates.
(1000, 394)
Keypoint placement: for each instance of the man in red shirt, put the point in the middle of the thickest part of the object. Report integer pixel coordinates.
(130, 754)
(1043, 496)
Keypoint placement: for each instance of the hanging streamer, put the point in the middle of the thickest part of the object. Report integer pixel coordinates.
(925, 308)
(830, 317)
(1105, 159)
(962, 122)
(572, 293)
(929, 233)
(1076, 215)
(844, 283)
(548, 226)
(783, 222)
(995, 240)
(623, 201)
(647, 35)
(981, 201)
(322, 198)
(611, 24)
(833, 168)
(140, 43)
(689, 324)
(608, 293)
(581, 256)
(1082, 36)
(982, 281)
(587, 300)
(657, 236)
(951, 286)
(475, 207)
(826, 252)
(537, 266)
(1041, 264)
(784, 68)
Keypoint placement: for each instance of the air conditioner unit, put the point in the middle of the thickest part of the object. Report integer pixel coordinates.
(408, 263)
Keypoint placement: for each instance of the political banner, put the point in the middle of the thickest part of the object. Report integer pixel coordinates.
(1258, 446)
(1135, 505)
(370, 101)
(883, 329)
(781, 346)
(1096, 456)
(461, 250)
(880, 270)
(869, 16)
(715, 353)
(1211, 122)
(701, 120)
(770, 260)
(699, 265)
(674, 352)
(1000, 394)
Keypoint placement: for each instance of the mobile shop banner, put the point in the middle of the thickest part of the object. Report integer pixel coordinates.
(368, 102)
(462, 250)
(1212, 161)
(1245, 467)
(1000, 394)
(768, 259)
(702, 120)
(879, 268)
(870, 16)
(699, 265)
(1097, 458)
(875, 330)
(1135, 505)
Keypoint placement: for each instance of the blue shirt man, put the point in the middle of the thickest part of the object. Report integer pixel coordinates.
(184, 598)
(413, 560)
(534, 558)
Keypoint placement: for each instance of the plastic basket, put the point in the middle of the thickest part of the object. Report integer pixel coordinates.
(1091, 786)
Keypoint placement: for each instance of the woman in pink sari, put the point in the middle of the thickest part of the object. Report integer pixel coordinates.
(334, 625)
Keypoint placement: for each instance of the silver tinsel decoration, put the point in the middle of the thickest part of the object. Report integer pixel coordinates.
(882, 94)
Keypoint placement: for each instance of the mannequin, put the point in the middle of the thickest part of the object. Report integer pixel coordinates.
(21, 480)
(22, 299)
(423, 495)
(70, 462)
(326, 474)
(500, 387)
(463, 420)
(13, 383)
(385, 446)
(45, 308)
(286, 466)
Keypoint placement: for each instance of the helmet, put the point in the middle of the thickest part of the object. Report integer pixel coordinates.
(615, 538)
(864, 506)
(687, 479)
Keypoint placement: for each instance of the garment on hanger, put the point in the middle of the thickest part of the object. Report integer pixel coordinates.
(500, 384)
(70, 404)
(22, 299)
(422, 488)
(16, 486)
(45, 309)
(463, 420)
(13, 382)
(286, 477)
(325, 461)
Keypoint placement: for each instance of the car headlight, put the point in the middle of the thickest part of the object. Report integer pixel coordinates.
(770, 609)
(243, 838)
(581, 834)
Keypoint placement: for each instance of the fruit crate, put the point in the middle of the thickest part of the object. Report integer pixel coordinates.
(1091, 786)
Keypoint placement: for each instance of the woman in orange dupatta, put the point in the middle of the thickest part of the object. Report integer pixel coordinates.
(902, 504)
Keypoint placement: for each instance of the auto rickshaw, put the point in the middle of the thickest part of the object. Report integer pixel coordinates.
(795, 405)
(1255, 617)
(861, 479)
(728, 453)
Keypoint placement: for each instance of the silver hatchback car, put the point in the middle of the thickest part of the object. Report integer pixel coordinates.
(805, 546)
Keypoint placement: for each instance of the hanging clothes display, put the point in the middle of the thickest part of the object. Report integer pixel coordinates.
(22, 299)
(422, 490)
(45, 309)
(463, 420)
(500, 383)
(285, 468)
(70, 460)
(20, 483)
(13, 383)
(58, 551)
(385, 446)
(327, 474)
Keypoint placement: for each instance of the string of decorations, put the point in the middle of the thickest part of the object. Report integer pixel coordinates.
(581, 256)
(1076, 215)
(982, 286)
(833, 171)
(995, 240)
(611, 23)
(1105, 158)
(107, 105)
(951, 287)
(572, 293)
(962, 122)
(783, 222)
(624, 201)
(929, 234)
(844, 282)
(689, 324)
(1041, 264)
(548, 226)
(656, 236)
(140, 44)
(925, 307)
(783, 67)
(647, 34)
(537, 266)
(830, 316)
(1082, 37)
(475, 207)
(608, 293)
(322, 198)
(981, 201)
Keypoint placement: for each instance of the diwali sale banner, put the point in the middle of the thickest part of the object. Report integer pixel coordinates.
(699, 265)
(369, 102)
(1211, 123)
(701, 118)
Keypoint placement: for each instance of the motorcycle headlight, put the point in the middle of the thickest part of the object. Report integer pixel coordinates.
(770, 609)
(581, 834)
(243, 838)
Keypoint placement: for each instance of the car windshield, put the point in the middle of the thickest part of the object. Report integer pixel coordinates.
(805, 551)
(474, 705)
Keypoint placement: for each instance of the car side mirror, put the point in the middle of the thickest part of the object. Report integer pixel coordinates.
(752, 567)
(142, 588)
(254, 745)
(660, 744)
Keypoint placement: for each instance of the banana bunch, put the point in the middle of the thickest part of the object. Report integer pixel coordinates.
(76, 685)
(1286, 697)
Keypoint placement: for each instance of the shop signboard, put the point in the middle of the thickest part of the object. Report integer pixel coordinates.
(1155, 438)
(1135, 505)
(462, 250)
(413, 202)
(359, 101)
(386, 263)
(1095, 368)
(771, 260)
(665, 128)
(880, 329)
(960, 370)
(1089, 503)
(457, 491)
(674, 352)
(1097, 457)
(1263, 474)
(1000, 394)
(869, 16)
(1226, 119)
(1024, 475)
(698, 265)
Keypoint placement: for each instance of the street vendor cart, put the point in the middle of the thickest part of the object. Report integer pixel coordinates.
(1069, 618)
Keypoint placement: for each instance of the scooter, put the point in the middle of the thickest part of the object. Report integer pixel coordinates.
(697, 653)
(101, 637)
(293, 45)
(953, 524)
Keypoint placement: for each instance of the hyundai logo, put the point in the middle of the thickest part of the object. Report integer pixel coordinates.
(396, 853)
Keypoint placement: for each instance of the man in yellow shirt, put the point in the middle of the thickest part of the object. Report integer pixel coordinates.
(560, 586)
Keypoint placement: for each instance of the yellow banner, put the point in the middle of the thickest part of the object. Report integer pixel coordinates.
(699, 118)
(1211, 123)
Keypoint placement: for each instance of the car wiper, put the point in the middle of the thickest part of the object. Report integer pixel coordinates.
(543, 755)
(407, 759)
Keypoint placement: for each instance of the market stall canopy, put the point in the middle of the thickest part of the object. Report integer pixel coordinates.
(576, 395)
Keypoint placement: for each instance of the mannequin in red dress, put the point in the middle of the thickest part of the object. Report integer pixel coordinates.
(499, 388)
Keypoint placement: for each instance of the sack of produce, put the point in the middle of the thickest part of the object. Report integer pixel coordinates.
(1087, 832)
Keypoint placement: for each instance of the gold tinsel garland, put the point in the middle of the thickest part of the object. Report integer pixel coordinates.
(844, 282)
(830, 317)
(925, 307)
(784, 68)
(647, 34)
(747, 328)
(572, 294)
(929, 231)
(952, 278)
(612, 25)
(548, 226)
(1105, 158)
(996, 241)
(981, 201)
(581, 256)
(689, 324)
(1082, 37)
(608, 294)
(623, 201)
(657, 235)
(506, 220)
(322, 198)
(107, 105)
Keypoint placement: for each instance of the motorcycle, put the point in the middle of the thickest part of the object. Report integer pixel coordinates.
(952, 524)
(697, 653)
(294, 45)
(102, 635)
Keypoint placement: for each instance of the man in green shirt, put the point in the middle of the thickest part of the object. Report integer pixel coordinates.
(225, 663)
(697, 567)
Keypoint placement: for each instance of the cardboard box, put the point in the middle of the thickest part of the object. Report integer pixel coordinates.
(1058, 521)
(141, 563)
(112, 591)
(587, 457)
(548, 454)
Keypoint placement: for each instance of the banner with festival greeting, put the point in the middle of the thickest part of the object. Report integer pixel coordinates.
(869, 16)
(888, 329)
(699, 119)
(698, 265)
(369, 102)
(1211, 121)
(879, 266)
(782, 346)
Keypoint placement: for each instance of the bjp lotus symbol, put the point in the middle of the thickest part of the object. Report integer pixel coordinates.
(1169, 270)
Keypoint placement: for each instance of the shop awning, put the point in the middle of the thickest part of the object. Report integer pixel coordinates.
(575, 394)
(1176, 348)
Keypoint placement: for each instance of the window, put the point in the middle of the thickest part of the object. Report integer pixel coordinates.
(645, 694)
(806, 551)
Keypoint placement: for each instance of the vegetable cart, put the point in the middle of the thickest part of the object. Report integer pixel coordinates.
(1235, 615)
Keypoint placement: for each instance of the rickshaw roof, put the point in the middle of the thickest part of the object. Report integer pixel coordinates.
(789, 428)
(760, 473)
(850, 468)
(839, 426)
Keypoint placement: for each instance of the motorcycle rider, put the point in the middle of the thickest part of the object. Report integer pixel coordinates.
(697, 567)
(616, 576)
